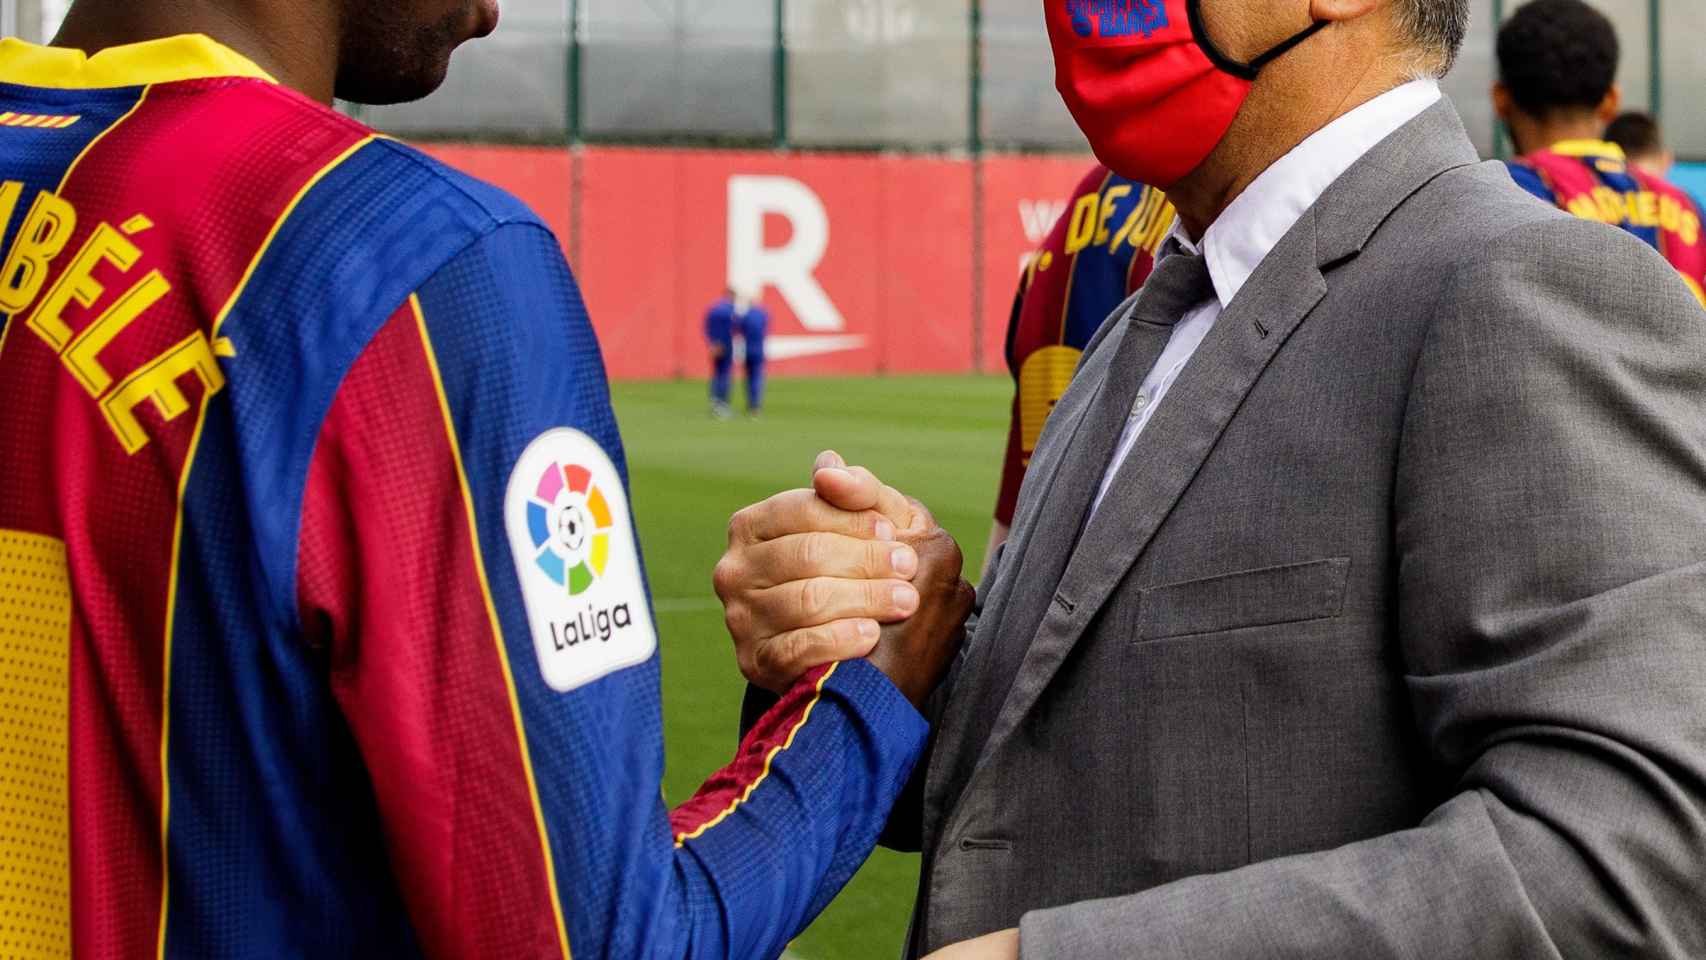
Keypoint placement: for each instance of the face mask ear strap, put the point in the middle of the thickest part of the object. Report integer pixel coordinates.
(1285, 48)
(1243, 71)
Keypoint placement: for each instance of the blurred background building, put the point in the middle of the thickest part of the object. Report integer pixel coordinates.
(878, 167)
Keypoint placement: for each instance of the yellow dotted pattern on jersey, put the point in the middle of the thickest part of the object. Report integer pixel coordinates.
(35, 694)
(1042, 380)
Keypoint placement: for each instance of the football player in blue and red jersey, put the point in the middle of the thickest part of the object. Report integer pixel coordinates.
(1556, 93)
(1098, 254)
(324, 631)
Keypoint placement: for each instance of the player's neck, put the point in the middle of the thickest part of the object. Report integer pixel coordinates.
(280, 38)
(1531, 134)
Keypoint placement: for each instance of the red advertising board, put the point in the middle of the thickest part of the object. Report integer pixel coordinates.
(868, 263)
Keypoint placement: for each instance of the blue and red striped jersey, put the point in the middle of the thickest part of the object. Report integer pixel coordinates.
(324, 630)
(1593, 180)
(1098, 253)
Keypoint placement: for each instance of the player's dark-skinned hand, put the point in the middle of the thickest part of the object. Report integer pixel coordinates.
(810, 577)
(916, 652)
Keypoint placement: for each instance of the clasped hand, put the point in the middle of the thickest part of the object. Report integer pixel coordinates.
(847, 569)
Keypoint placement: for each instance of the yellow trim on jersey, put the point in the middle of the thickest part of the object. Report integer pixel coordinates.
(168, 60)
(166, 673)
(1588, 148)
(266, 244)
(497, 629)
(769, 758)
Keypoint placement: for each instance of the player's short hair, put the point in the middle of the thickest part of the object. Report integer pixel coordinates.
(1557, 55)
(1637, 133)
(1437, 29)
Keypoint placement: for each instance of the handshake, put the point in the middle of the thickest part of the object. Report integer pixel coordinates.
(850, 568)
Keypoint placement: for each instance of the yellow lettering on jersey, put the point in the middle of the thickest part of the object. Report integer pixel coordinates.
(157, 382)
(78, 283)
(1690, 231)
(82, 358)
(1645, 206)
(10, 191)
(1130, 225)
(1110, 200)
(46, 231)
(1083, 227)
(1670, 215)
(1612, 208)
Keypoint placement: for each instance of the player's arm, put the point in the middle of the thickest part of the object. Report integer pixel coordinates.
(469, 564)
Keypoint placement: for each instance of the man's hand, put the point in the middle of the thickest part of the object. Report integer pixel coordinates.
(996, 946)
(917, 653)
(811, 575)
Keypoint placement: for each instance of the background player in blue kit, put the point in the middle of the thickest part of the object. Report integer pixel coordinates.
(720, 328)
(339, 639)
(754, 328)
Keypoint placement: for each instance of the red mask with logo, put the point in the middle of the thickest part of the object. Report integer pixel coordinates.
(1147, 85)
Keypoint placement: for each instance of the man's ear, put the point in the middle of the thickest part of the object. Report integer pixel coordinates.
(1339, 11)
(1503, 104)
(1609, 107)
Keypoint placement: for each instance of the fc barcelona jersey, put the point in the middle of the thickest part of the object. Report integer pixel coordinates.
(1098, 254)
(1592, 180)
(323, 626)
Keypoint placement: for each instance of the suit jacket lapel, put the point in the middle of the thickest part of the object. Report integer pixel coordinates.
(1036, 555)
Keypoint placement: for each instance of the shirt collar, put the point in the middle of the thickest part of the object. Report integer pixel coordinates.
(1249, 229)
(167, 60)
(1588, 148)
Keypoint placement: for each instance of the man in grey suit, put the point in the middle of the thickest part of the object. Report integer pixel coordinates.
(1356, 604)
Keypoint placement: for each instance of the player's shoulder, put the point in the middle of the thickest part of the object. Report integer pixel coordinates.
(337, 168)
(1530, 175)
(487, 206)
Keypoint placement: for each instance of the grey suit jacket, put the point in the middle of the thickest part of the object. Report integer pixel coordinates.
(1389, 639)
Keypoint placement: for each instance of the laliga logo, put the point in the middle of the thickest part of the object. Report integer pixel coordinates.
(569, 521)
(1117, 18)
(790, 268)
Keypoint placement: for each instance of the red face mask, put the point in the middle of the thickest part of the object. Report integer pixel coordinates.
(1147, 85)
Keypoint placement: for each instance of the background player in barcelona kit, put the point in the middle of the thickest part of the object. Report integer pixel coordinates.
(325, 631)
(1556, 93)
(1098, 254)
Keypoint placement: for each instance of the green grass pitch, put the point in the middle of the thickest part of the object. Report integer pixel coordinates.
(937, 438)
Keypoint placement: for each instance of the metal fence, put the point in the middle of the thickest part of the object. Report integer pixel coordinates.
(858, 74)
(891, 74)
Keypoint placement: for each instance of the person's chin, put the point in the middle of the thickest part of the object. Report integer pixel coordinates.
(382, 88)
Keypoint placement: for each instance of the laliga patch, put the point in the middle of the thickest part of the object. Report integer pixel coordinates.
(573, 541)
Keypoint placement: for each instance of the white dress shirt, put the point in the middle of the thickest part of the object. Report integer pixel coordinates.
(1253, 224)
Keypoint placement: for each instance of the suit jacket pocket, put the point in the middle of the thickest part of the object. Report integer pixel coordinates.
(1253, 598)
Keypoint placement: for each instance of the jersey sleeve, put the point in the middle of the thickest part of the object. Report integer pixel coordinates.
(469, 568)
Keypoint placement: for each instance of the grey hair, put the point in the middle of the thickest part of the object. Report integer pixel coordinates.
(1436, 29)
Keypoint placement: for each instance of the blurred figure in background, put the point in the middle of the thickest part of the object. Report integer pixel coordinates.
(1638, 135)
(1098, 254)
(720, 339)
(754, 323)
(1557, 92)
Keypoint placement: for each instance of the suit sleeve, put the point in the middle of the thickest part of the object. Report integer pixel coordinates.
(1551, 541)
(520, 788)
